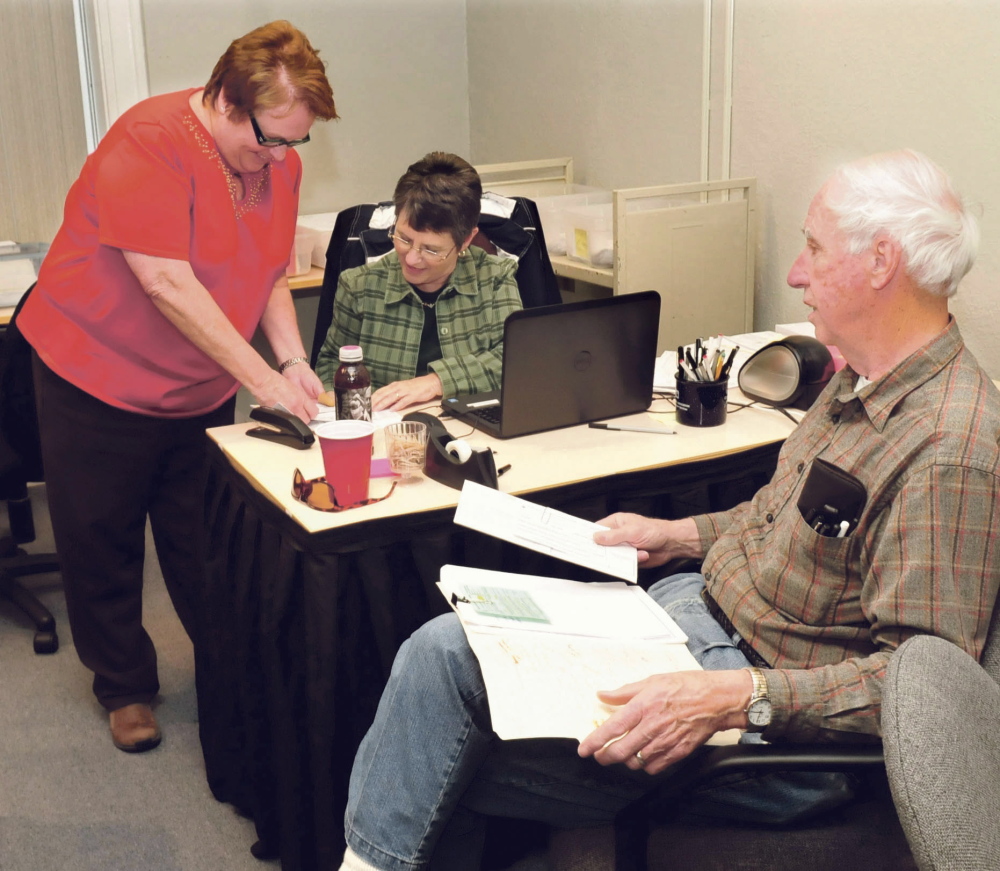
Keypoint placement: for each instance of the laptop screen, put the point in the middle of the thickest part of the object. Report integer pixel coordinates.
(577, 362)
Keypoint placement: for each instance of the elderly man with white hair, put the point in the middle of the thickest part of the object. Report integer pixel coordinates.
(794, 619)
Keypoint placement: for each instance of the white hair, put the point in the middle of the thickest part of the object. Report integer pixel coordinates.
(909, 197)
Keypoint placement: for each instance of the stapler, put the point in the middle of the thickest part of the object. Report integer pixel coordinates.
(281, 427)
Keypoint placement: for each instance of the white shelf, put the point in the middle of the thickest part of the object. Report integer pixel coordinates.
(580, 271)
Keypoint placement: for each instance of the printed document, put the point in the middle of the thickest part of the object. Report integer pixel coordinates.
(546, 646)
(530, 603)
(542, 529)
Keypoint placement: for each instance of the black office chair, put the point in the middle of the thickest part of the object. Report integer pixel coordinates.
(21, 463)
(355, 242)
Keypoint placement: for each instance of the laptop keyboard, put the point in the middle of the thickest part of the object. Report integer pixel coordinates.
(489, 413)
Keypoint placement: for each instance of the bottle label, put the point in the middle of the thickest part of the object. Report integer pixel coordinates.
(354, 403)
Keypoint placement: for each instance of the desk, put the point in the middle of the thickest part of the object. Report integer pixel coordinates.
(303, 610)
(308, 283)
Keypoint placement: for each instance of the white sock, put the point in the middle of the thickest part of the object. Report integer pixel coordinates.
(353, 862)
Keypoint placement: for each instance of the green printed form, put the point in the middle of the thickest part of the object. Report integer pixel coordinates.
(504, 603)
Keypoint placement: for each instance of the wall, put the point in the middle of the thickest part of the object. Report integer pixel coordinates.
(398, 71)
(818, 83)
(615, 84)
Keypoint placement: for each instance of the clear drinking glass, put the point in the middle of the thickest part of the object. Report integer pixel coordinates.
(406, 447)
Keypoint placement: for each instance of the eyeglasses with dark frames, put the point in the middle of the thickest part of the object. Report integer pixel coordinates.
(273, 141)
(318, 493)
(405, 245)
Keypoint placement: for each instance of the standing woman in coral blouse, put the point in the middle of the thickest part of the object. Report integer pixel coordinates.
(172, 252)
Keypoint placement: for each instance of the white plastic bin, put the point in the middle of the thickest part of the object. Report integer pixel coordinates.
(300, 260)
(590, 234)
(553, 210)
(320, 229)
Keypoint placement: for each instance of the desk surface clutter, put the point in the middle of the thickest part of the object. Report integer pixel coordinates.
(537, 462)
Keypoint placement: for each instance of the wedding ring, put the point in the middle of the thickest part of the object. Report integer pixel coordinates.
(641, 759)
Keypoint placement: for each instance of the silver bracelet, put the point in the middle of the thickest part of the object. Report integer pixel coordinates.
(291, 361)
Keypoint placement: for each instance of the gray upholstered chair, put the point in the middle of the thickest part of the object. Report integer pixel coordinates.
(941, 745)
(941, 738)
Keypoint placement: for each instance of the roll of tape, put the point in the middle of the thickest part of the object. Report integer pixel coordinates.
(460, 450)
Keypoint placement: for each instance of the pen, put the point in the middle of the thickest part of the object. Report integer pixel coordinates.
(620, 428)
(728, 364)
(503, 469)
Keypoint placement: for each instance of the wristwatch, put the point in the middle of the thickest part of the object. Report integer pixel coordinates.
(758, 710)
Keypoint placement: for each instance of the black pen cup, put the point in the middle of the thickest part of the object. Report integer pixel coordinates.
(702, 403)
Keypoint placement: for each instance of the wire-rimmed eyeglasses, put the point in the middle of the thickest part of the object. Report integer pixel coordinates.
(274, 141)
(404, 245)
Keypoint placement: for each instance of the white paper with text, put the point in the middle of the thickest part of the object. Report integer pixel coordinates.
(545, 530)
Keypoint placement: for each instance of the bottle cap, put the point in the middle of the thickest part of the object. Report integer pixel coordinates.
(351, 354)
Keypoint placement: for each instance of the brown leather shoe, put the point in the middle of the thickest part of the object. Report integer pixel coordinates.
(134, 728)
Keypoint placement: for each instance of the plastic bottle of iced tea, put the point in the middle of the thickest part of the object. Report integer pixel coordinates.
(352, 385)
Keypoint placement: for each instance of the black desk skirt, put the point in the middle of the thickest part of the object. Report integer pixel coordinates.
(298, 631)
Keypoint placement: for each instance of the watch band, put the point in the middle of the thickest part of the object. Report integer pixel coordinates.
(291, 361)
(759, 686)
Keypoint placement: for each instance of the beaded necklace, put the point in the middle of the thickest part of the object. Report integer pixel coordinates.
(254, 185)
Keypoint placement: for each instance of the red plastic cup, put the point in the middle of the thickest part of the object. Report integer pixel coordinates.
(347, 458)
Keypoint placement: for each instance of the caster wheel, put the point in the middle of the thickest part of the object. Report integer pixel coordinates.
(46, 642)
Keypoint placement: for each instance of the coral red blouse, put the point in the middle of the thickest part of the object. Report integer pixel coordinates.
(157, 185)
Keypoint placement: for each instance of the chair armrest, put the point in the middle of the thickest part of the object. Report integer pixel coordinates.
(632, 824)
(761, 758)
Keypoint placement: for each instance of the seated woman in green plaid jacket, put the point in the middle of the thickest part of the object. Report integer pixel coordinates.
(430, 314)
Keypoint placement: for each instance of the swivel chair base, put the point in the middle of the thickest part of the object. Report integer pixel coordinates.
(14, 564)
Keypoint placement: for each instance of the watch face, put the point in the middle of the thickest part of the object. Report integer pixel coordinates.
(759, 713)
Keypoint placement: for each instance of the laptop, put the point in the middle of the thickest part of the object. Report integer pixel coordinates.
(569, 364)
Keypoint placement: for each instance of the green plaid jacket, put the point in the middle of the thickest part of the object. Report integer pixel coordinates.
(377, 309)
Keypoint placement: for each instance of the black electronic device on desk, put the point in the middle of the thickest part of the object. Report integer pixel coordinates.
(790, 372)
(452, 461)
(282, 427)
(568, 364)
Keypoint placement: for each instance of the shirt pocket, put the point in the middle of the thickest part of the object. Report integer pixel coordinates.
(826, 592)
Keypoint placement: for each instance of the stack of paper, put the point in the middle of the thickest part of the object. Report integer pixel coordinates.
(542, 676)
(547, 646)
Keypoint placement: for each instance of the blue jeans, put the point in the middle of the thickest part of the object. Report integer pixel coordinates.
(430, 765)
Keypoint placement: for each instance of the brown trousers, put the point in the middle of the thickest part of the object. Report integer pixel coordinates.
(106, 471)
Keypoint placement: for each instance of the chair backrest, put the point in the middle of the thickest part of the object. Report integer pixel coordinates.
(18, 416)
(940, 712)
(355, 241)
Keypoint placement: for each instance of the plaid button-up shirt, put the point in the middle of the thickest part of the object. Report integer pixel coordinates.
(377, 309)
(827, 613)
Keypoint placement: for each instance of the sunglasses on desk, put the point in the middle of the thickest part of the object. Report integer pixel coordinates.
(318, 494)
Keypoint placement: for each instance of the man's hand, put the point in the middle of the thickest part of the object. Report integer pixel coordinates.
(667, 716)
(657, 541)
(401, 394)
